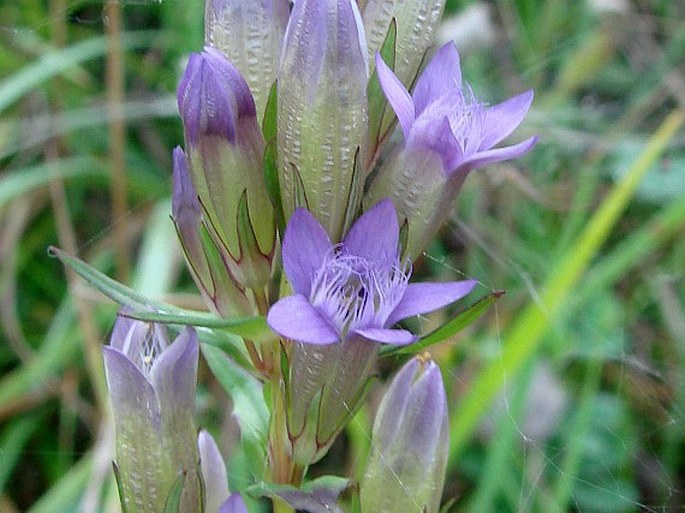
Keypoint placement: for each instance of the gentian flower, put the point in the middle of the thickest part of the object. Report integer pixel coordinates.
(410, 444)
(447, 133)
(347, 297)
(250, 34)
(358, 288)
(152, 388)
(322, 111)
(225, 149)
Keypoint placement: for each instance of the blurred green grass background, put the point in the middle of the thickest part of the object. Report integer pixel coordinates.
(569, 395)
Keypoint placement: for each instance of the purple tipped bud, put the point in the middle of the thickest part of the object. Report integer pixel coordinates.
(213, 97)
(322, 115)
(152, 387)
(447, 133)
(220, 290)
(226, 149)
(410, 443)
(250, 34)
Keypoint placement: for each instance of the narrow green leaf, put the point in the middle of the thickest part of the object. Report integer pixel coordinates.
(250, 327)
(59, 61)
(458, 323)
(173, 501)
(22, 181)
(317, 496)
(253, 328)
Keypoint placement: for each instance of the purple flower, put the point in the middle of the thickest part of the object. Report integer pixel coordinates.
(152, 388)
(213, 277)
(213, 97)
(410, 443)
(225, 149)
(356, 289)
(447, 133)
(443, 115)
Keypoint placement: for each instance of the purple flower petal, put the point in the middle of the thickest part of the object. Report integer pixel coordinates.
(397, 96)
(295, 318)
(500, 120)
(305, 246)
(387, 336)
(394, 404)
(234, 504)
(174, 372)
(212, 97)
(497, 155)
(436, 136)
(375, 235)
(424, 423)
(420, 298)
(134, 401)
(441, 76)
(213, 472)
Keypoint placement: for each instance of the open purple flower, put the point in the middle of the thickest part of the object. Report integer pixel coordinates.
(444, 116)
(356, 289)
(447, 133)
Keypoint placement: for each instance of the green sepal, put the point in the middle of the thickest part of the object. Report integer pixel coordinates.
(269, 123)
(255, 265)
(273, 185)
(173, 500)
(254, 328)
(458, 323)
(300, 191)
(356, 190)
(317, 496)
(377, 102)
(120, 488)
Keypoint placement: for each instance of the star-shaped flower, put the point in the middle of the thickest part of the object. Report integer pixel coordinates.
(358, 288)
(443, 115)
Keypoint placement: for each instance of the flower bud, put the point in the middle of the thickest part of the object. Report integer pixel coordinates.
(416, 24)
(152, 387)
(221, 293)
(217, 498)
(447, 133)
(322, 116)
(410, 444)
(214, 474)
(226, 148)
(250, 35)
